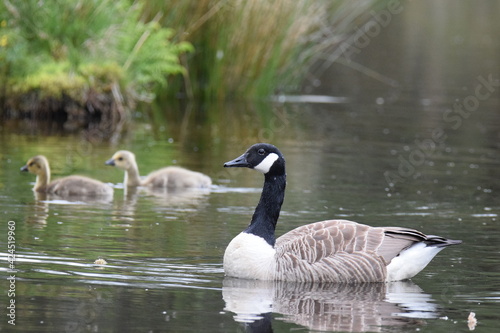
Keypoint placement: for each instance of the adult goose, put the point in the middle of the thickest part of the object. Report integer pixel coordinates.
(67, 186)
(169, 177)
(327, 251)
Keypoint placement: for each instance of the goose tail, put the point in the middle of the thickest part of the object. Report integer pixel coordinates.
(438, 241)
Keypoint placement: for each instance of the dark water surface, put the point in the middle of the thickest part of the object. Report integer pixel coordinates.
(397, 154)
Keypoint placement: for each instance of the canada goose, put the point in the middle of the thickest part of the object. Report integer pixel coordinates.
(168, 177)
(327, 251)
(67, 186)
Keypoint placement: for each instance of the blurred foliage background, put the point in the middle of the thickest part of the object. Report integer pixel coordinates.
(101, 57)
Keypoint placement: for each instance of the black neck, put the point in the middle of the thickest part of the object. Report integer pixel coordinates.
(266, 214)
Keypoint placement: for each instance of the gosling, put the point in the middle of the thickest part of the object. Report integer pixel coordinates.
(64, 187)
(171, 177)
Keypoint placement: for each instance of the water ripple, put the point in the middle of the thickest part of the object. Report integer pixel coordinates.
(149, 273)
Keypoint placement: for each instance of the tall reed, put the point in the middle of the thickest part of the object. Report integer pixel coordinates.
(249, 49)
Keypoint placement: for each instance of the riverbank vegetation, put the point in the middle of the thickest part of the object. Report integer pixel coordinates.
(80, 59)
(95, 59)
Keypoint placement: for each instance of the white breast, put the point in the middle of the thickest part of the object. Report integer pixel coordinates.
(249, 257)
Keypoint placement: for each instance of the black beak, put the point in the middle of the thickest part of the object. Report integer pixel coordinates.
(240, 162)
(24, 168)
(110, 162)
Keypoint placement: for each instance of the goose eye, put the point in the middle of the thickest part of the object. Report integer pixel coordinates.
(261, 151)
(31, 164)
(120, 158)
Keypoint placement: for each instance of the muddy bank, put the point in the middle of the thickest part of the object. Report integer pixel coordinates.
(104, 111)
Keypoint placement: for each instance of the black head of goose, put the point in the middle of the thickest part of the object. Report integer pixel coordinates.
(326, 251)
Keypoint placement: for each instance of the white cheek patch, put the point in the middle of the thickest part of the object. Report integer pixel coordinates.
(267, 163)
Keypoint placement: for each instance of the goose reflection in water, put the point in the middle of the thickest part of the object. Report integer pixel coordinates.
(362, 307)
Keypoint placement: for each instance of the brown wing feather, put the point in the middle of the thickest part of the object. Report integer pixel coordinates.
(334, 250)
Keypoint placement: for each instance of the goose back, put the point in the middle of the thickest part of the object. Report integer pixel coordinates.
(346, 251)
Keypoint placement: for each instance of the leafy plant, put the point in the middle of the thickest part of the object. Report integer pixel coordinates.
(62, 46)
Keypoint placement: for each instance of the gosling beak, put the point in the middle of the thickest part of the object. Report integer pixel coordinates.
(240, 162)
(110, 162)
(24, 168)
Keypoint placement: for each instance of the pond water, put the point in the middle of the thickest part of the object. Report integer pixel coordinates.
(389, 155)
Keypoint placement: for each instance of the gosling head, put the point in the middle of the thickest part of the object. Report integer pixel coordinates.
(262, 157)
(122, 159)
(36, 165)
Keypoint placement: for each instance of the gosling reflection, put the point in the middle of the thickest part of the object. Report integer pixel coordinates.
(364, 307)
(71, 199)
(181, 196)
(124, 208)
(161, 199)
(38, 211)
